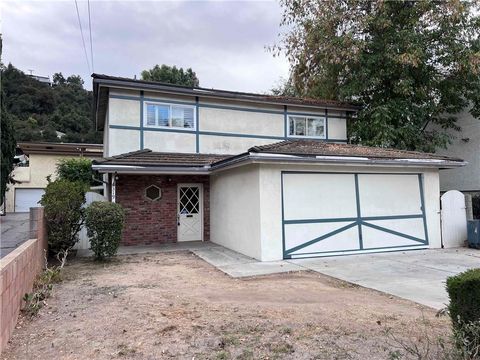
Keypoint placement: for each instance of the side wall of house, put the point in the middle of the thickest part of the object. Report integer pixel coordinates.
(235, 210)
(221, 126)
(271, 202)
(465, 145)
(155, 222)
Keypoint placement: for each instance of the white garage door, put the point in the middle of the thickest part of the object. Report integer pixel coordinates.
(27, 198)
(328, 214)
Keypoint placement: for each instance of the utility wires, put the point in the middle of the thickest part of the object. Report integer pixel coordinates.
(90, 29)
(90, 69)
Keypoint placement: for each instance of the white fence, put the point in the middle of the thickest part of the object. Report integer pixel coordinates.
(454, 219)
(84, 243)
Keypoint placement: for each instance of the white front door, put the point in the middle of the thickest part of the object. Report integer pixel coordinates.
(190, 212)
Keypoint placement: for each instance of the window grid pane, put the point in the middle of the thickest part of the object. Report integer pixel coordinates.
(151, 112)
(163, 114)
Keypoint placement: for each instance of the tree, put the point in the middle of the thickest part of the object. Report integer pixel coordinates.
(411, 64)
(171, 75)
(8, 144)
(76, 169)
(39, 110)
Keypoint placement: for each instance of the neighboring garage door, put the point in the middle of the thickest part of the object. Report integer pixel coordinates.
(27, 198)
(328, 214)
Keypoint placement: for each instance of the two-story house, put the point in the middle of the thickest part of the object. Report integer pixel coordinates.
(270, 177)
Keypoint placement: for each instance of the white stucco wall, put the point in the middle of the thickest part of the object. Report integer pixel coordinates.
(169, 142)
(240, 118)
(241, 122)
(246, 206)
(121, 141)
(235, 210)
(124, 112)
(213, 144)
(271, 206)
(465, 145)
(337, 129)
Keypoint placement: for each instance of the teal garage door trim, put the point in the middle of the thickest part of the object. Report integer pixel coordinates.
(340, 213)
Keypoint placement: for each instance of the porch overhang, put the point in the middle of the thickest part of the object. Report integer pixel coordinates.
(151, 170)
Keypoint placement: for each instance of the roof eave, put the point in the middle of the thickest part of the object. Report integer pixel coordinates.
(188, 91)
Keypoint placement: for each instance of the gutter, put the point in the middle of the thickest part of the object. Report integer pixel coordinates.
(169, 170)
(261, 158)
(292, 159)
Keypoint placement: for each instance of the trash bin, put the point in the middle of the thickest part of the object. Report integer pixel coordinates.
(473, 233)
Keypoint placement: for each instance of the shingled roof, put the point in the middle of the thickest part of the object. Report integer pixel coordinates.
(320, 148)
(288, 150)
(238, 95)
(148, 157)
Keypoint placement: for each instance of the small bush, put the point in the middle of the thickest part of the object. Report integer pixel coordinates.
(464, 292)
(104, 222)
(64, 214)
(43, 285)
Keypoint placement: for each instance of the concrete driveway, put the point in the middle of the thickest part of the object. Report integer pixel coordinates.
(414, 275)
(15, 230)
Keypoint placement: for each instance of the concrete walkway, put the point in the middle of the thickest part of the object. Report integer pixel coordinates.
(15, 230)
(418, 275)
(230, 262)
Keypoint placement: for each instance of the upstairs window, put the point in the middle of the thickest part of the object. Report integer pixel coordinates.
(307, 126)
(167, 115)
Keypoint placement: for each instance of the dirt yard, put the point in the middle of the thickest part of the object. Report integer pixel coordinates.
(174, 305)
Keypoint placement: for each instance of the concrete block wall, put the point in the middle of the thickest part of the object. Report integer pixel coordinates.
(18, 271)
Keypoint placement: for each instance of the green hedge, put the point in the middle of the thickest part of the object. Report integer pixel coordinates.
(104, 221)
(63, 202)
(464, 292)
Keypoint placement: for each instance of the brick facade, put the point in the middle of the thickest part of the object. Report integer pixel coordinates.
(155, 222)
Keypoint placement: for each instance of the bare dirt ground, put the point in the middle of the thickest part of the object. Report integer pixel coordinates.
(174, 305)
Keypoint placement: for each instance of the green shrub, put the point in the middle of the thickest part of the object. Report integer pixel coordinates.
(75, 169)
(104, 222)
(63, 201)
(464, 292)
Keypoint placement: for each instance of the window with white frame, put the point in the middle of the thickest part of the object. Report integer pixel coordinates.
(169, 115)
(306, 126)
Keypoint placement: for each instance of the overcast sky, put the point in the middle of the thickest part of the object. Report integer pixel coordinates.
(223, 41)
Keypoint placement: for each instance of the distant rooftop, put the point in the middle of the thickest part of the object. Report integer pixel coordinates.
(54, 148)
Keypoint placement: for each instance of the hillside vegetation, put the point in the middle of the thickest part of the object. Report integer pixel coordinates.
(38, 111)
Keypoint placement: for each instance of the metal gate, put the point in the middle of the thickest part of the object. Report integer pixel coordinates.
(454, 219)
(327, 214)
